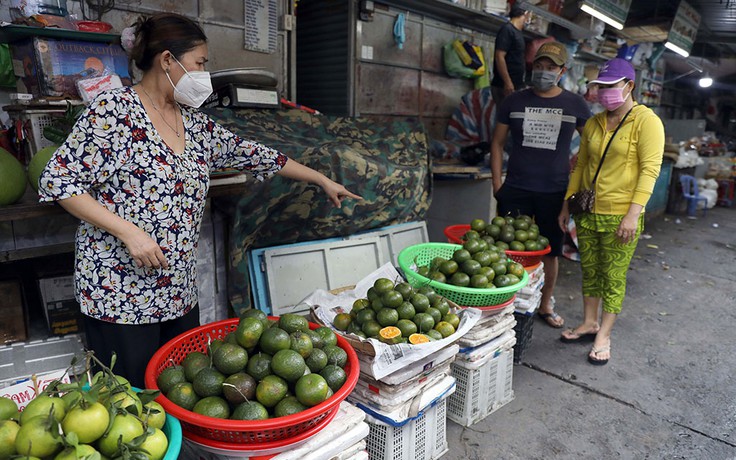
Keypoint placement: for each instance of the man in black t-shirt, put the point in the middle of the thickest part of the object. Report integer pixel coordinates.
(541, 121)
(508, 58)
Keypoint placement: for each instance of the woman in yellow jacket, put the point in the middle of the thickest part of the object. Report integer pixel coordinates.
(608, 235)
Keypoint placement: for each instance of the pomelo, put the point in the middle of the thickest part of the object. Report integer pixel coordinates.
(38, 163)
(12, 178)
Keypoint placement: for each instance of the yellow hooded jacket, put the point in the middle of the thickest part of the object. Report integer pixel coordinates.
(631, 166)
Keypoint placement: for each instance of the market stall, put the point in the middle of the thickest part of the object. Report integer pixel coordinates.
(345, 310)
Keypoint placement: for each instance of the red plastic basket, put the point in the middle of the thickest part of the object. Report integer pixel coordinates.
(454, 234)
(247, 434)
(528, 258)
(264, 446)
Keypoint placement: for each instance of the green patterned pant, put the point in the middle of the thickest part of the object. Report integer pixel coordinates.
(605, 259)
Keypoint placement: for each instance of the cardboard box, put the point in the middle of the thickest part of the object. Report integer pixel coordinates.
(495, 6)
(63, 315)
(51, 67)
(13, 324)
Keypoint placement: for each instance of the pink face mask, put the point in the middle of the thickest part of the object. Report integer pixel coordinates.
(611, 98)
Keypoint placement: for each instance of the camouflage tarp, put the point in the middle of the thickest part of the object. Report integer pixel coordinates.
(384, 161)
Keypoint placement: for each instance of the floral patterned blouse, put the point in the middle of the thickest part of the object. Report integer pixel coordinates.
(116, 155)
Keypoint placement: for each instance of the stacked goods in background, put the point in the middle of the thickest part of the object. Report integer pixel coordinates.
(404, 339)
(405, 410)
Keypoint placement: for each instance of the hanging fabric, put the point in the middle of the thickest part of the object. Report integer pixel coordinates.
(399, 32)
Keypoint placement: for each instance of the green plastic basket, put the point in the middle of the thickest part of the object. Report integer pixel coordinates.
(423, 254)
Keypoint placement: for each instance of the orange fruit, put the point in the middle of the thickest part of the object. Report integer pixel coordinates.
(311, 390)
(383, 285)
(342, 321)
(444, 328)
(390, 335)
(387, 317)
(416, 339)
(249, 331)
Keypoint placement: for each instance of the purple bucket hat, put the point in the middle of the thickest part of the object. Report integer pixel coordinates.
(614, 71)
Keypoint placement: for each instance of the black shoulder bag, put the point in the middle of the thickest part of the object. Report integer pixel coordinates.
(584, 200)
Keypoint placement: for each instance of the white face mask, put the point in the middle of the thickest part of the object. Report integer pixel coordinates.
(193, 87)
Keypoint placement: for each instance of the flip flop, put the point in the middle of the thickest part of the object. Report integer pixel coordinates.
(550, 317)
(586, 337)
(595, 351)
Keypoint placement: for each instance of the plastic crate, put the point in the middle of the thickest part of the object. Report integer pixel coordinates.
(424, 438)
(330, 263)
(524, 328)
(23, 359)
(481, 390)
(33, 123)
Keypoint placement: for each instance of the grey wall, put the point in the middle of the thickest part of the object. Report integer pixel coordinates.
(386, 81)
(411, 81)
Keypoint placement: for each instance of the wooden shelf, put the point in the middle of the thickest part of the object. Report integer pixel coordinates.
(29, 207)
(453, 171)
(653, 80)
(556, 19)
(591, 56)
(10, 33)
(445, 10)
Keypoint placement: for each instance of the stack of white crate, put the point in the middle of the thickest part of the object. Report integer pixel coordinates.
(483, 369)
(406, 410)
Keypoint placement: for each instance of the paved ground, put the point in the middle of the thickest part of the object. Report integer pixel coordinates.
(669, 390)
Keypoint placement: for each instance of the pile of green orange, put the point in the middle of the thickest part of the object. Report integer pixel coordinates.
(106, 419)
(398, 314)
(477, 264)
(264, 368)
(508, 233)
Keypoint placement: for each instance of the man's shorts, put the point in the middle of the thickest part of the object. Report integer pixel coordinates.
(543, 207)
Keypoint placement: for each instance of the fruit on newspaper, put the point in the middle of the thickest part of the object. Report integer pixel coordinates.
(398, 313)
(508, 233)
(263, 369)
(97, 416)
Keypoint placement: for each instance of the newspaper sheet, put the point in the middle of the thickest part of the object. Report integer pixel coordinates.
(389, 358)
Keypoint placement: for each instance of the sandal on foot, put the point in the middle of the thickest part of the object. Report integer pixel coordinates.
(578, 337)
(595, 351)
(552, 319)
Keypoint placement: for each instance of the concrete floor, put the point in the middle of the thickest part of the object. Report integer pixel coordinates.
(668, 391)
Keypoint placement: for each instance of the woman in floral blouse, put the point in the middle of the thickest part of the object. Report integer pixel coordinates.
(136, 171)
